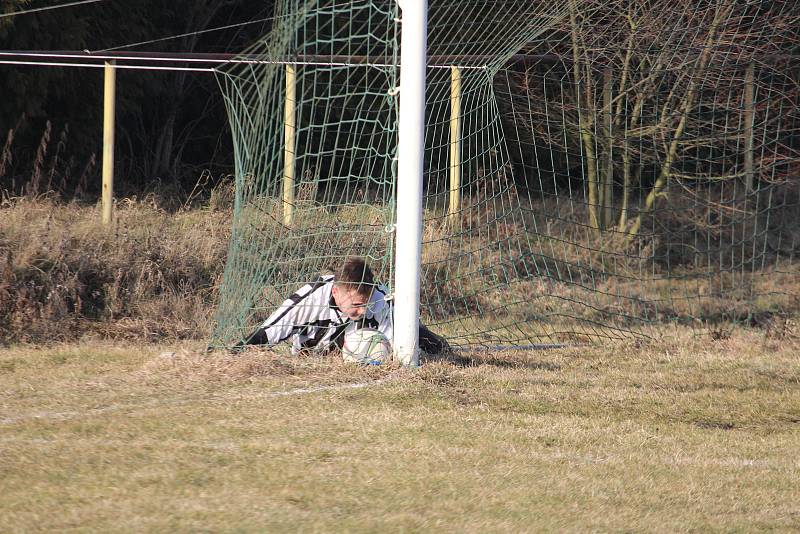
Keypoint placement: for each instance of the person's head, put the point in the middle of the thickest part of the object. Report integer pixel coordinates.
(352, 287)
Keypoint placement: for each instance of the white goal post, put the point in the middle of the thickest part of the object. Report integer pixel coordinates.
(410, 153)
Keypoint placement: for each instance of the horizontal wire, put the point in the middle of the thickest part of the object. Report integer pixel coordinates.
(27, 11)
(188, 34)
(198, 60)
(99, 66)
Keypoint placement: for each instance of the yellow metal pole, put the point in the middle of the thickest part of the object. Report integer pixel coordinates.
(288, 148)
(109, 113)
(454, 206)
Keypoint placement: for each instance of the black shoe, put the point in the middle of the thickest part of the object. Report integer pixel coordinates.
(431, 343)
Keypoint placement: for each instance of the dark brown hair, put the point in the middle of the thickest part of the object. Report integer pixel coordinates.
(356, 274)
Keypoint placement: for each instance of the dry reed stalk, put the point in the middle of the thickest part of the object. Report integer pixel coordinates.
(32, 189)
(6, 156)
(83, 182)
(61, 146)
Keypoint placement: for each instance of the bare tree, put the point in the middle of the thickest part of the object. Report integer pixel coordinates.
(662, 92)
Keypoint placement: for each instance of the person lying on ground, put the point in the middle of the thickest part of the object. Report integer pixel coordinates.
(318, 315)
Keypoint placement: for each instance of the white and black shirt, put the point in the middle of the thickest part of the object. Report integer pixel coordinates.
(313, 320)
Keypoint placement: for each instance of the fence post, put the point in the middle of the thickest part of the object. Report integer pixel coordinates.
(109, 116)
(749, 116)
(454, 206)
(289, 146)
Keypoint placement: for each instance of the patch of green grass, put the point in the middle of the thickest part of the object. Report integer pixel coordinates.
(689, 434)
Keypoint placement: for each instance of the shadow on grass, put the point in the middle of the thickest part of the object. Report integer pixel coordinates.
(478, 358)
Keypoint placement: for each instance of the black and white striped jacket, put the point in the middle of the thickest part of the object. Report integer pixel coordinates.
(312, 320)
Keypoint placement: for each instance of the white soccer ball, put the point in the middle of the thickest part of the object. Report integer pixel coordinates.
(366, 346)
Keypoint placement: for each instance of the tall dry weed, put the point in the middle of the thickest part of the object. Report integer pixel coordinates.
(56, 161)
(33, 186)
(6, 156)
(82, 185)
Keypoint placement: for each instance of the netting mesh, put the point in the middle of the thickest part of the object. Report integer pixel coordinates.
(343, 152)
(637, 166)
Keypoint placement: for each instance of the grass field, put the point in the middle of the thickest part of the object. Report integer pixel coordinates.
(687, 434)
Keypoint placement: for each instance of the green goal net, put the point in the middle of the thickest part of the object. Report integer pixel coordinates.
(592, 170)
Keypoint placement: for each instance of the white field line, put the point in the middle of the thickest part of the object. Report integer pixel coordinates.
(61, 416)
(316, 389)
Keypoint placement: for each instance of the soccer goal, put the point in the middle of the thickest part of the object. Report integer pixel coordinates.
(572, 171)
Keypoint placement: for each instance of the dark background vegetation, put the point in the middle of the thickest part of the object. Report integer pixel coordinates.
(170, 125)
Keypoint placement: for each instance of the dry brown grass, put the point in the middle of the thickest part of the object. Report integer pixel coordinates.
(257, 362)
(154, 275)
(151, 275)
(571, 283)
(687, 434)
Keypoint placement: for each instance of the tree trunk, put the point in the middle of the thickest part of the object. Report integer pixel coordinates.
(608, 174)
(688, 102)
(584, 122)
